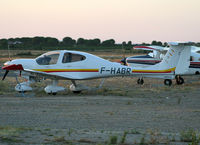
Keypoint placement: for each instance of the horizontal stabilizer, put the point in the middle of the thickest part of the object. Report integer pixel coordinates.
(150, 48)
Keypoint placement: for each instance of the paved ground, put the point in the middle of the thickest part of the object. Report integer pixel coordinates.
(97, 119)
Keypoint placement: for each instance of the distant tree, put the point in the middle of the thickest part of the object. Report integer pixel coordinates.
(159, 43)
(124, 43)
(92, 42)
(68, 41)
(129, 43)
(198, 44)
(145, 44)
(165, 44)
(49, 41)
(96, 42)
(110, 42)
(3, 43)
(88, 42)
(37, 42)
(154, 42)
(11, 40)
(80, 41)
(26, 42)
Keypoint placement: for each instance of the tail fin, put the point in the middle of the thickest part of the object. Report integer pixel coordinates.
(177, 58)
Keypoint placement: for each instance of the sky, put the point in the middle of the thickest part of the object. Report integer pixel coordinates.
(122, 20)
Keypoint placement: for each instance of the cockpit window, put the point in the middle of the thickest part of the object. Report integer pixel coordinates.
(191, 58)
(48, 58)
(70, 57)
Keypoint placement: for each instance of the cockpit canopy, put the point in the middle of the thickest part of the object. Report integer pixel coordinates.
(51, 58)
(48, 58)
(71, 57)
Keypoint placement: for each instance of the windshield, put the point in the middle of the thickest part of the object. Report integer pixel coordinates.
(48, 58)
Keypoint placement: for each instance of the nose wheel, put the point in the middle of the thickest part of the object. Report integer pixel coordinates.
(168, 82)
(140, 81)
(53, 93)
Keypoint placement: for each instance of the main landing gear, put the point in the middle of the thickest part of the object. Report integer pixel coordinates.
(76, 88)
(140, 81)
(53, 88)
(179, 80)
(168, 82)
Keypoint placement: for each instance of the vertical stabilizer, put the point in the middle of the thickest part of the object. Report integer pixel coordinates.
(184, 60)
(177, 58)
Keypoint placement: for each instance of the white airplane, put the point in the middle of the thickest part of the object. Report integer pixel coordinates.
(157, 55)
(76, 65)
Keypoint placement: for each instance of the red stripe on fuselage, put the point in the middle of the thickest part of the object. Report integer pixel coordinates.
(150, 72)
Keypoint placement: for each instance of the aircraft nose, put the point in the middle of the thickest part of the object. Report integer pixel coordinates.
(10, 66)
(7, 63)
(13, 67)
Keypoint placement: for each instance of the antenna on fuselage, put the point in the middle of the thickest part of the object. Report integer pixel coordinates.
(123, 60)
(9, 42)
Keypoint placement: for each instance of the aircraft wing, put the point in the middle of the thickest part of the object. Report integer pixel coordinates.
(150, 48)
(48, 75)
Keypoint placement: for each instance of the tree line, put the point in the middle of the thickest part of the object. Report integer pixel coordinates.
(45, 42)
(67, 42)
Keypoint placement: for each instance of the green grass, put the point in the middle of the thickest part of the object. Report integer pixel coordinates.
(190, 136)
(60, 140)
(24, 54)
(10, 134)
(123, 139)
(4, 86)
(9, 131)
(113, 140)
(134, 131)
(10, 140)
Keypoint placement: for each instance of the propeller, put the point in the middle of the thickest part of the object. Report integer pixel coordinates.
(5, 75)
(12, 67)
(123, 60)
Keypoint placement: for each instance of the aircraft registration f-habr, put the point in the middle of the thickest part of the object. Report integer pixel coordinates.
(76, 65)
